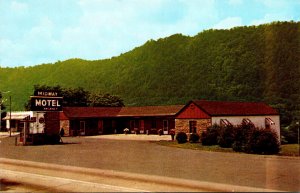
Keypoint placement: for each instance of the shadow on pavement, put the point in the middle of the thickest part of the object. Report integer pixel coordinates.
(6, 185)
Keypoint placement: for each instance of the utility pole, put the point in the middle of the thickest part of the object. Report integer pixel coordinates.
(1, 102)
(297, 123)
(9, 116)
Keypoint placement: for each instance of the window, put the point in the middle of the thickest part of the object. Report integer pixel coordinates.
(268, 123)
(193, 126)
(166, 124)
(225, 122)
(247, 121)
(134, 124)
(153, 124)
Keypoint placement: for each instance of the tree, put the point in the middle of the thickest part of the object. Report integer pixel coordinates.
(106, 100)
(79, 97)
(75, 97)
(2, 106)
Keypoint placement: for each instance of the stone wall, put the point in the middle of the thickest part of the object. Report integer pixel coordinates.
(182, 125)
(66, 125)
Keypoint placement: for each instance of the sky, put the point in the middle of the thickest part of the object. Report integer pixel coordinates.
(33, 32)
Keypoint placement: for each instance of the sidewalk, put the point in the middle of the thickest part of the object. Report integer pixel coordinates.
(132, 137)
(4, 134)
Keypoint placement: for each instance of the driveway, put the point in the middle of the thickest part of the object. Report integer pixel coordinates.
(144, 157)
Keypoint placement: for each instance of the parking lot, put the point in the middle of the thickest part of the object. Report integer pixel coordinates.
(123, 153)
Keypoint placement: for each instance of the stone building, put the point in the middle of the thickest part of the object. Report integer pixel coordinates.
(196, 116)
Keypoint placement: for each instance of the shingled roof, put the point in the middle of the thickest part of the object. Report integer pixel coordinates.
(106, 112)
(221, 108)
(150, 111)
(91, 112)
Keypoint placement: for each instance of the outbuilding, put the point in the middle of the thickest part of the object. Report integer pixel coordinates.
(197, 115)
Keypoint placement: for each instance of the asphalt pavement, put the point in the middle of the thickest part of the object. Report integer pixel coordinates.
(145, 157)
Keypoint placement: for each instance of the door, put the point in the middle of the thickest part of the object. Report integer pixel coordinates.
(82, 127)
(100, 126)
(193, 126)
(166, 127)
(142, 126)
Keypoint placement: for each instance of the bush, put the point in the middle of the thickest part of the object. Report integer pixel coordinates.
(241, 135)
(226, 136)
(160, 132)
(181, 137)
(290, 134)
(210, 136)
(194, 138)
(263, 141)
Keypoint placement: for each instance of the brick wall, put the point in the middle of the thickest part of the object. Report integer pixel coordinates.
(52, 123)
(182, 125)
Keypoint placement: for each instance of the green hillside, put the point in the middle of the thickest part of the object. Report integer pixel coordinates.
(255, 63)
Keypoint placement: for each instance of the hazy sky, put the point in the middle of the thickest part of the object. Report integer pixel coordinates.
(45, 31)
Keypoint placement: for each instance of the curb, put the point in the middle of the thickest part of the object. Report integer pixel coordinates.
(209, 186)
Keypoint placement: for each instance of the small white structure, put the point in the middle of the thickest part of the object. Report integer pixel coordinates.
(16, 121)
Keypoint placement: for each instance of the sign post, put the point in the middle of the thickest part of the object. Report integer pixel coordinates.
(48, 103)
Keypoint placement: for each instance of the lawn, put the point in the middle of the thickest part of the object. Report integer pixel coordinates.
(286, 150)
(289, 150)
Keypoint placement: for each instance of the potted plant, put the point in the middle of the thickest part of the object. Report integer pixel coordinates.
(126, 131)
(160, 132)
(172, 133)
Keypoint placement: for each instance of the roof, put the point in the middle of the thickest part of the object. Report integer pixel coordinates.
(220, 108)
(19, 115)
(96, 112)
(150, 111)
(91, 112)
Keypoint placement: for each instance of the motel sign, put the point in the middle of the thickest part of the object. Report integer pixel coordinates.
(46, 101)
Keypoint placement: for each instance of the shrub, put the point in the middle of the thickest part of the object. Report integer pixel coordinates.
(160, 132)
(194, 138)
(226, 136)
(181, 137)
(210, 136)
(241, 135)
(263, 141)
(290, 134)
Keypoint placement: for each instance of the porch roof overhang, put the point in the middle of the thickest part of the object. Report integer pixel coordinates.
(121, 112)
(15, 117)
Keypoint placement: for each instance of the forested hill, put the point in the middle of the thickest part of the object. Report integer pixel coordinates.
(255, 63)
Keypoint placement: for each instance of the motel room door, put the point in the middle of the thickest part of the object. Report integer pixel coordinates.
(82, 127)
(166, 127)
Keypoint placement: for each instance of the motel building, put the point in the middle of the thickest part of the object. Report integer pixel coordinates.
(194, 117)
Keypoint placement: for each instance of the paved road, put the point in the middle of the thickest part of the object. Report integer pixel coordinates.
(142, 157)
(33, 176)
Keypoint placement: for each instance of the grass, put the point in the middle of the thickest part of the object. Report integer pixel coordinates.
(196, 146)
(286, 150)
(289, 150)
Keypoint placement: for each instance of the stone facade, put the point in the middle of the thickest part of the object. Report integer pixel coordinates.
(183, 125)
(66, 125)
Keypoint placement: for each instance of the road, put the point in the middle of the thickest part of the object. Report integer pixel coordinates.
(24, 176)
(148, 158)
